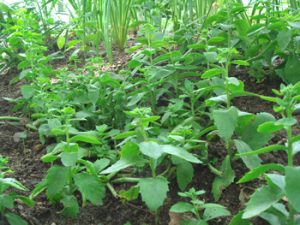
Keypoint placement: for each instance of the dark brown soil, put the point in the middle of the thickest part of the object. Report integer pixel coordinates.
(25, 161)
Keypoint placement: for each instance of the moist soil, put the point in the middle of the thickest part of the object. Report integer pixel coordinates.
(24, 158)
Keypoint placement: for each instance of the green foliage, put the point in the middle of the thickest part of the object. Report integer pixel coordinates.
(202, 211)
(8, 196)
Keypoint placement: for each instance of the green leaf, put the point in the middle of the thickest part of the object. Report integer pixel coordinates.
(249, 134)
(269, 127)
(180, 153)
(101, 164)
(184, 174)
(7, 201)
(69, 158)
(250, 161)
(56, 179)
(213, 211)
(262, 199)
(90, 187)
(240, 62)
(87, 138)
(71, 207)
(226, 121)
(131, 194)
(14, 219)
(286, 122)
(155, 150)
(220, 183)
(27, 91)
(154, 191)
(292, 187)
(283, 39)
(238, 220)
(13, 183)
(259, 171)
(151, 149)
(216, 39)
(264, 150)
(212, 73)
(130, 155)
(61, 40)
(290, 69)
(182, 207)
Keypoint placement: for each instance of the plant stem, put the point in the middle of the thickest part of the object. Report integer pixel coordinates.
(112, 190)
(290, 146)
(126, 179)
(290, 163)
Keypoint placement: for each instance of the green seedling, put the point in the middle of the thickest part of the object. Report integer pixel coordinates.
(202, 211)
(281, 186)
(8, 196)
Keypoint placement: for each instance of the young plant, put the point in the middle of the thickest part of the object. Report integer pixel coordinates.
(8, 197)
(277, 201)
(142, 151)
(202, 211)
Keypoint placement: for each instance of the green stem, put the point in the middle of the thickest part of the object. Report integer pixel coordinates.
(11, 118)
(290, 145)
(112, 190)
(290, 163)
(126, 179)
(215, 170)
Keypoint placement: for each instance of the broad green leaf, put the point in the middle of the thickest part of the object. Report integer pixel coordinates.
(283, 39)
(286, 122)
(277, 214)
(252, 161)
(87, 138)
(238, 220)
(193, 222)
(61, 40)
(69, 158)
(7, 201)
(259, 171)
(261, 200)
(182, 207)
(151, 149)
(292, 187)
(290, 69)
(220, 183)
(14, 219)
(226, 121)
(153, 191)
(249, 134)
(56, 179)
(180, 153)
(184, 174)
(90, 187)
(71, 207)
(213, 211)
(276, 180)
(269, 127)
(101, 164)
(27, 91)
(212, 73)
(130, 155)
